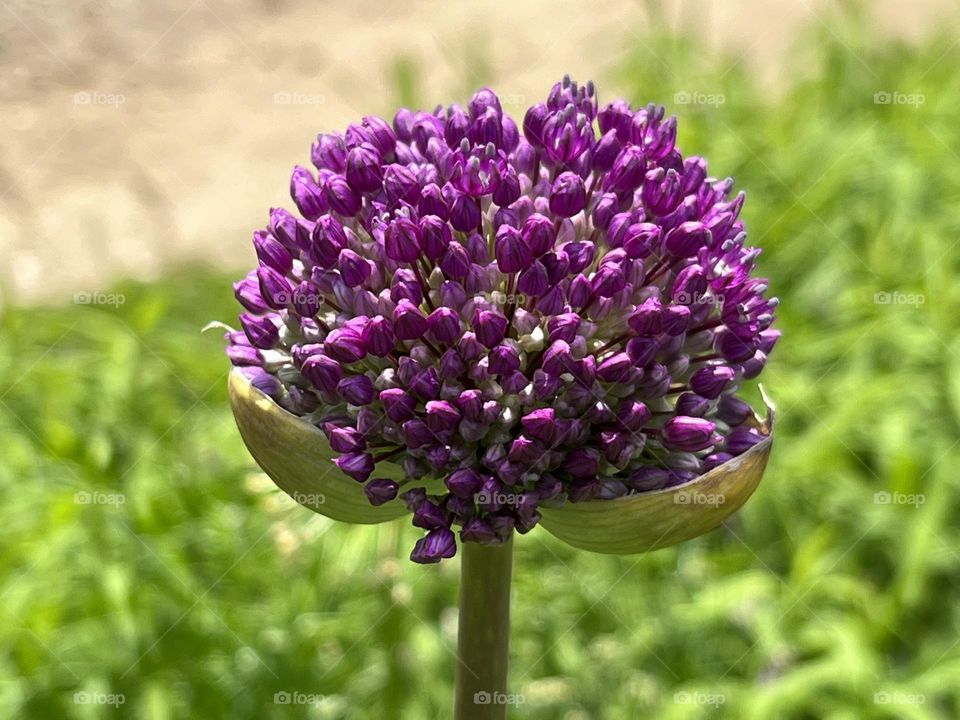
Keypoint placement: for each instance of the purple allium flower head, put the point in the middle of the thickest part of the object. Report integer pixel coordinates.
(559, 309)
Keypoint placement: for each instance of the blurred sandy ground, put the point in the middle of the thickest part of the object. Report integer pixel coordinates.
(135, 136)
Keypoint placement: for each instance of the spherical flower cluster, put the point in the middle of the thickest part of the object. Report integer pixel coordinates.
(532, 315)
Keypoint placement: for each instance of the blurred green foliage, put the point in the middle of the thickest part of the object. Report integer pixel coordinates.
(144, 557)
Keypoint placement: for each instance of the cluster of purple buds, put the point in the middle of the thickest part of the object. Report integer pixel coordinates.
(557, 311)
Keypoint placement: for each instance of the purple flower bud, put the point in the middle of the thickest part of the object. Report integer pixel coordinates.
(539, 234)
(401, 242)
(344, 439)
(675, 319)
(540, 425)
(742, 439)
(400, 185)
(464, 483)
(477, 530)
(357, 465)
(307, 194)
(568, 196)
(503, 360)
(641, 239)
(455, 263)
(272, 253)
(732, 410)
(513, 383)
(633, 415)
(711, 380)
(609, 280)
(464, 212)
(525, 451)
(615, 368)
(605, 211)
(354, 269)
(563, 327)
(580, 292)
(397, 404)
(241, 355)
(263, 381)
(247, 292)
(345, 346)
(508, 190)
(715, 460)
(533, 281)
(275, 289)
(378, 336)
(768, 338)
(444, 325)
(262, 332)
(752, 367)
(437, 545)
(427, 514)
(642, 350)
(470, 348)
(435, 236)
(580, 254)
(409, 322)
(326, 240)
(686, 239)
(357, 389)
(363, 171)
(692, 405)
(329, 152)
(490, 327)
(557, 359)
(442, 416)
(323, 372)
(648, 478)
(343, 199)
(452, 365)
(662, 191)
(734, 348)
(380, 491)
(426, 384)
(470, 403)
(582, 463)
(627, 172)
(690, 285)
(511, 250)
(416, 434)
(687, 434)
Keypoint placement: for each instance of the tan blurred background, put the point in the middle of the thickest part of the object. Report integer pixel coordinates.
(136, 136)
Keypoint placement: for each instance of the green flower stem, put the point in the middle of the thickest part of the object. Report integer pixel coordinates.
(483, 636)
